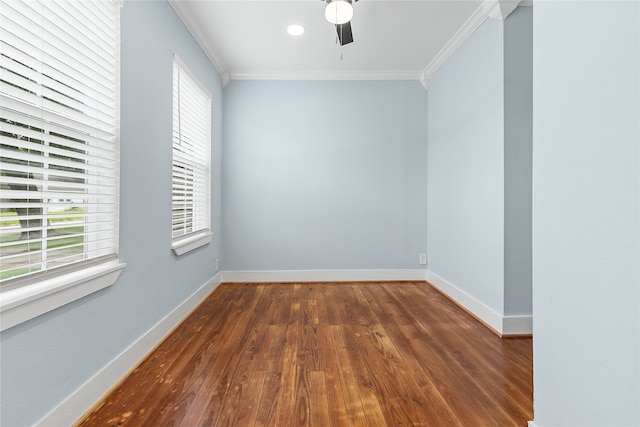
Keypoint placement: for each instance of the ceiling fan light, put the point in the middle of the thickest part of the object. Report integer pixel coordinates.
(338, 12)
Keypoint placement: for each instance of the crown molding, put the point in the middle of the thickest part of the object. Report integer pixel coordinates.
(496, 9)
(499, 9)
(216, 61)
(328, 75)
(463, 33)
(225, 78)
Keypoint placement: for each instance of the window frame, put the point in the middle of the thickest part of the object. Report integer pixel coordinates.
(25, 297)
(184, 243)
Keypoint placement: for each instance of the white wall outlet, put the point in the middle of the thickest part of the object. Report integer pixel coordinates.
(423, 259)
(217, 264)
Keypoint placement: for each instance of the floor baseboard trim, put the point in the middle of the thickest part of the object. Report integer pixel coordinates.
(531, 424)
(477, 309)
(517, 326)
(504, 326)
(323, 275)
(88, 394)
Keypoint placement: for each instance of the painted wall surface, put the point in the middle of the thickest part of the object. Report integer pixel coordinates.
(586, 229)
(46, 359)
(518, 154)
(466, 167)
(324, 175)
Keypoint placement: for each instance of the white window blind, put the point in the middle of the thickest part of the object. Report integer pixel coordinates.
(191, 154)
(59, 134)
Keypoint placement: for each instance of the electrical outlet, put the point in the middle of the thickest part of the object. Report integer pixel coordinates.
(217, 264)
(423, 259)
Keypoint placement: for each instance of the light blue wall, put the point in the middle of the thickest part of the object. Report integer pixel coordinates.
(480, 165)
(46, 359)
(466, 167)
(518, 147)
(324, 175)
(586, 238)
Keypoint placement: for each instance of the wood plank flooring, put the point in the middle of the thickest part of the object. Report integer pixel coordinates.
(323, 355)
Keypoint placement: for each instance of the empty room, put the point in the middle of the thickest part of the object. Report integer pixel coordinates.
(320, 213)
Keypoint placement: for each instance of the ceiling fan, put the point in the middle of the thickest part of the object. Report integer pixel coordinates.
(339, 13)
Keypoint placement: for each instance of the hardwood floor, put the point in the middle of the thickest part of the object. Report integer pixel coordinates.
(341, 354)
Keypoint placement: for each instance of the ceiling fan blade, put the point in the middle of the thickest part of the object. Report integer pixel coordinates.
(344, 33)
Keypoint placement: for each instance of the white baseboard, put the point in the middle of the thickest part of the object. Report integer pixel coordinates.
(517, 325)
(531, 424)
(87, 395)
(502, 325)
(478, 309)
(322, 275)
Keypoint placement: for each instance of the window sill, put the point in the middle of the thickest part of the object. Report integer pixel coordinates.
(29, 301)
(184, 244)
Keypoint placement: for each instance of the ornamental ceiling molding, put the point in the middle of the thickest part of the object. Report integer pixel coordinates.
(495, 9)
(216, 61)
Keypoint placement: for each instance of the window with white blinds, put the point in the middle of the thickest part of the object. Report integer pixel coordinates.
(191, 201)
(59, 134)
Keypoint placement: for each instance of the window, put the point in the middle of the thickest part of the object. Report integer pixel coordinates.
(191, 192)
(59, 136)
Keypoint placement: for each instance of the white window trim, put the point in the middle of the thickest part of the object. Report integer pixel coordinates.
(183, 244)
(29, 301)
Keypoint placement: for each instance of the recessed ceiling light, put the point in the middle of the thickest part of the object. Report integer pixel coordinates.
(295, 30)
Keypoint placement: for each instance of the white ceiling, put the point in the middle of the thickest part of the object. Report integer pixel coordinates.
(393, 39)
